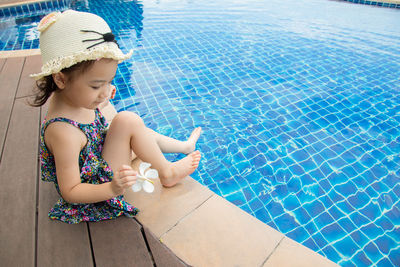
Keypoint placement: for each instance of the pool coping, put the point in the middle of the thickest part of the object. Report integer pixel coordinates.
(19, 53)
(381, 3)
(16, 3)
(21, 8)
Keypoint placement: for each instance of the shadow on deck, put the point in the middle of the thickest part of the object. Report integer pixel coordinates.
(27, 236)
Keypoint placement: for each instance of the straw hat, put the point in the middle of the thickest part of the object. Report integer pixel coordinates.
(71, 37)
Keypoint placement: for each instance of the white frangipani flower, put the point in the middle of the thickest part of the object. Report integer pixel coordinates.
(143, 178)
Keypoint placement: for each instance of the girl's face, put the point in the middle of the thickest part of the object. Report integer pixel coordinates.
(90, 88)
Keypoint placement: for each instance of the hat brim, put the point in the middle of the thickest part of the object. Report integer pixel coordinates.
(60, 63)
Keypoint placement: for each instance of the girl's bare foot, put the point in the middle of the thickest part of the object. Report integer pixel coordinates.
(190, 144)
(180, 169)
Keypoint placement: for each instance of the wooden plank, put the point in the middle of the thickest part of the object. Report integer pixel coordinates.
(18, 171)
(119, 242)
(163, 256)
(27, 84)
(58, 243)
(9, 78)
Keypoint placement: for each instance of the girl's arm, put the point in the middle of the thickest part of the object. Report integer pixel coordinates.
(65, 142)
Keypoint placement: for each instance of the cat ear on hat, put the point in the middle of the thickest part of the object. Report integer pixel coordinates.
(47, 20)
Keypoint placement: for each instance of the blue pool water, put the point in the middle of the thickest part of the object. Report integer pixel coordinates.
(299, 101)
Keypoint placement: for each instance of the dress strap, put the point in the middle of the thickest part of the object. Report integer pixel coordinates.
(101, 118)
(69, 121)
(81, 126)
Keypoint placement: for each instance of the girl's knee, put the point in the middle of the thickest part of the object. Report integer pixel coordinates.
(128, 119)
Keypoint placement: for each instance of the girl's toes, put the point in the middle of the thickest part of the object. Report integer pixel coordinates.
(196, 133)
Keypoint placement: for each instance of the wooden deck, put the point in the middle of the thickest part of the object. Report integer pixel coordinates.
(27, 236)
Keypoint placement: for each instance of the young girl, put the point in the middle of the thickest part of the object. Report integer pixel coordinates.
(90, 165)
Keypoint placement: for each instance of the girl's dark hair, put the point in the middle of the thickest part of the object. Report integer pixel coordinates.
(46, 85)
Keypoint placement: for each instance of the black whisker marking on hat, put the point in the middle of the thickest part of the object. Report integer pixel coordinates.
(106, 37)
(96, 44)
(88, 40)
(91, 31)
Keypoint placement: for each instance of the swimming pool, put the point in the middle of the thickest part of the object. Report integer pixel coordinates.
(299, 101)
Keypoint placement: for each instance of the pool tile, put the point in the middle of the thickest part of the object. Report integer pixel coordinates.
(347, 247)
(236, 198)
(299, 233)
(385, 223)
(332, 231)
(371, 231)
(394, 255)
(291, 202)
(320, 240)
(373, 251)
(346, 189)
(323, 220)
(347, 224)
(314, 208)
(360, 259)
(385, 244)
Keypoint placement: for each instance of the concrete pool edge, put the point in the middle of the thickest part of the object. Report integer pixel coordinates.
(18, 3)
(19, 53)
(378, 3)
(371, 2)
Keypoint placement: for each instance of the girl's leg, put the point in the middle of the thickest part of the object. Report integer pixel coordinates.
(171, 145)
(127, 131)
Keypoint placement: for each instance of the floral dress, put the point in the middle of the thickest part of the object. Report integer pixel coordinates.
(94, 170)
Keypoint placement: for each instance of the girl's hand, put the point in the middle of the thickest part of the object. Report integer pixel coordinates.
(125, 177)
